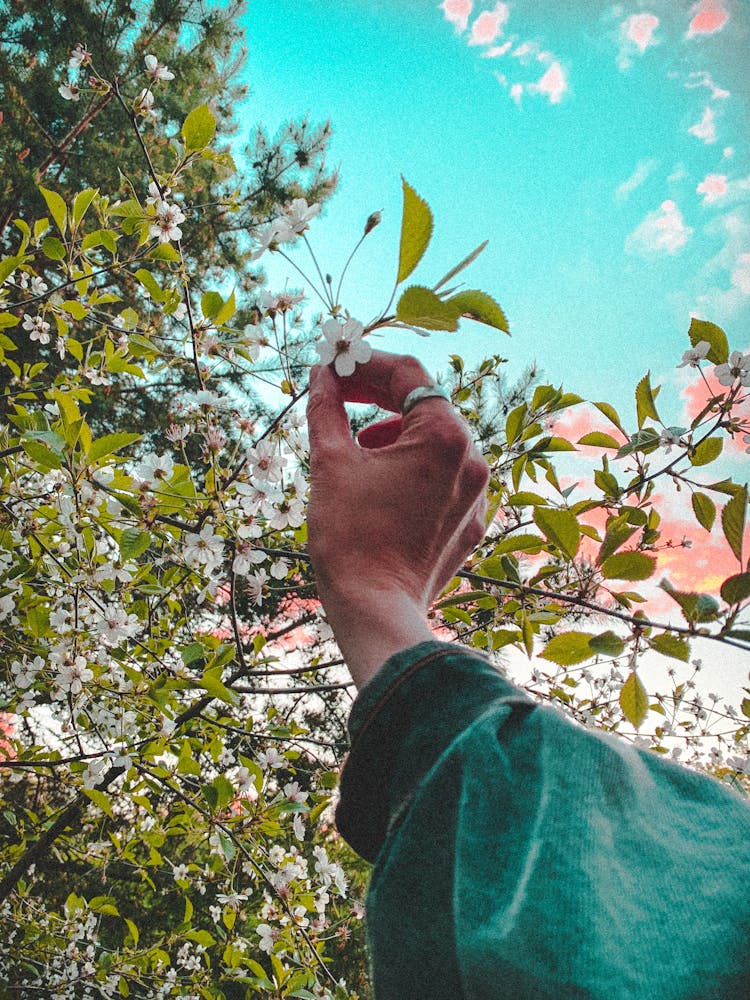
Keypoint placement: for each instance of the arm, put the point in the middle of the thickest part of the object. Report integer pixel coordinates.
(393, 516)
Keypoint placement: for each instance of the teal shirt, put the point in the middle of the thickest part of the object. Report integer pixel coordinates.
(517, 855)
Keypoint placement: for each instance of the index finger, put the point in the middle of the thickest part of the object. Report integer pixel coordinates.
(386, 379)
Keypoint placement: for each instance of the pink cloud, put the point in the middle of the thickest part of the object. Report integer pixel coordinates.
(709, 16)
(489, 25)
(639, 29)
(700, 390)
(457, 12)
(553, 84)
(712, 187)
(705, 129)
(662, 231)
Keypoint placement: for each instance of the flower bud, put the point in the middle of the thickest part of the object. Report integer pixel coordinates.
(372, 221)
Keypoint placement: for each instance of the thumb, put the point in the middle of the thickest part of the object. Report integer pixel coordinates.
(327, 421)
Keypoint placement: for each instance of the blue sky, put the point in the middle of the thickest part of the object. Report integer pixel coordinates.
(601, 148)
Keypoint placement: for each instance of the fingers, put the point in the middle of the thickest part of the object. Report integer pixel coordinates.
(384, 380)
(381, 434)
(327, 421)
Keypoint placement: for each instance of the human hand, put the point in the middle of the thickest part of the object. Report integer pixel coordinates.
(397, 513)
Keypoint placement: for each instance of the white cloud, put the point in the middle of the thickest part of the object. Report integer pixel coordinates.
(703, 79)
(636, 35)
(740, 276)
(662, 231)
(553, 84)
(639, 175)
(705, 129)
(712, 187)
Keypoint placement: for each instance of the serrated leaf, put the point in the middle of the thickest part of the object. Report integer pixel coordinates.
(81, 203)
(133, 542)
(736, 588)
(228, 309)
(706, 451)
(52, 248)
(598, 439)
(460, 267)
(481, 307)
(671, 645)
(57, 208)
(211, 683)
(704, 509)
(560, 527)
(733, 521)
(568, 648)
(695, 607)
(519, 543)
(100, 238)
(416, 230)
(607, 643)
(645, 400)
(198, 129)
(109, 444)
(628, 566)
(211, 303)
(44, 457)
(634, 700)
(714, 335)
(8, 266)
(422, 307)
(618, 531)
(192, 652)
(99, 799)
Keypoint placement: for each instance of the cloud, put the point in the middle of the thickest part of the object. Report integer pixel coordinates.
(709, 16)
(639, 175)
(489, 24)
(662, 231)
(494, 51)
(740, 276)
(636, 34)
(712, 187)
(705, 129)
(703, 79)
(553, 84)
(457, 12)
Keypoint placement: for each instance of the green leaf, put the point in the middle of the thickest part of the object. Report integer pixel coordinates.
(99, 799)
(619, 530)
(420, 306)
(133, 542)
(704, 509)
(8, 319)
(198, 129)
(568, 648)
(598, 439)
(736, 588)
(671, 645)
(460, 267)
(733, 521)
(645, 400)
(480, 307)
(133, 929)
(211, 683)
(610, 413)
(8, 266)
(226, 311)
(192, 652)
(629, 566)
(695, 607)
(150, 283)
(57, 208)
(416, 230)
(519, 543)
(702, 330)
(52, 248)
(514, 422)
(607, 643)
(706, 451)
(211, 304)
(634, 700)
(44, 457)
(100, 238)
(109, 444)
(560, 527)
(186, 763)
(81, 203)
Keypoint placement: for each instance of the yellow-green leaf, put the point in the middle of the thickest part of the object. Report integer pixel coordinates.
(706, 451)
(460, 267)
(634, 700)
(645, 400)
(568, 648)
(99, 799)
(81, 203)
(420, 306)
(714, 335)
(560, 527)
(704, 509)
(198, 129)
(480, 307)
(416, 230)
(52, 248)
(57, 208)
(629, 566)
(671, 645)
(733, 521)
(736, 588)
(598, 439)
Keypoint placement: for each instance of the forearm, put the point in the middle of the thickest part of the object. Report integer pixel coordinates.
(370, 626)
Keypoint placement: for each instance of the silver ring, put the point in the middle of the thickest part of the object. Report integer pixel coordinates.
(422, 392)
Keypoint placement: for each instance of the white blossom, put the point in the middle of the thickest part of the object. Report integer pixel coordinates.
(343, 345)
(155, 69)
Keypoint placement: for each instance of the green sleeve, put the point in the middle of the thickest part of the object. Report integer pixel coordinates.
(518, 855)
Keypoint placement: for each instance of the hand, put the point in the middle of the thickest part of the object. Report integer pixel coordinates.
(392, 517)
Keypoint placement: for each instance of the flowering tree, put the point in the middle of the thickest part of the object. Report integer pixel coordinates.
(174, 704)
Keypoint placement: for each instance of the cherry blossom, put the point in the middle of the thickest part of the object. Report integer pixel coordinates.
(343, 345)
(203, 548)
(70, 91)
(155, 70)
(694, 355)
(166, 224)
(737, 368)
(38, 328)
